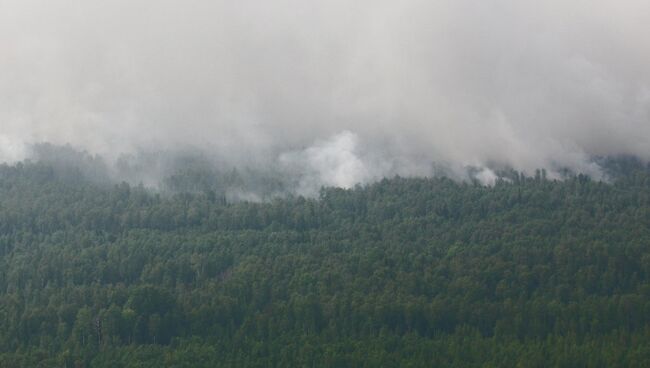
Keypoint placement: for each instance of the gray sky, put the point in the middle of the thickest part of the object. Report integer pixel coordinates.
(356, 89)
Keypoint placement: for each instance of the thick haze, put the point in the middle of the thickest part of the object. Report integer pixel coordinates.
(341, 91)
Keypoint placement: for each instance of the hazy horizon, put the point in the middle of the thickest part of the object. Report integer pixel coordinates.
(342, 92)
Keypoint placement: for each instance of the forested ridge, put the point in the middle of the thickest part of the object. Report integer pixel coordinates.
(406, 272)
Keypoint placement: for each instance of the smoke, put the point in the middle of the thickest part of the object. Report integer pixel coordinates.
(339, 91)
(334, 162)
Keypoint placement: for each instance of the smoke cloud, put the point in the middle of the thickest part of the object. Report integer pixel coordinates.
(334, 162)
(340, 91)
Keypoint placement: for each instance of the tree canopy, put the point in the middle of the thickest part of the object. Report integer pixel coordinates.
(404, 272)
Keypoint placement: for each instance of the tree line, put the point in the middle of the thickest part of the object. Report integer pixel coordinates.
(403, 272)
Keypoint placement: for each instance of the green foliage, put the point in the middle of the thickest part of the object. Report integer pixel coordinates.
(405, 273)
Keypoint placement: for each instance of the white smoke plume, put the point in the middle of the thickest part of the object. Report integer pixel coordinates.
(519, 83)
(334, 162)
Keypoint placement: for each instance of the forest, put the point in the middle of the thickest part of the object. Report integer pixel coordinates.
(405, 272)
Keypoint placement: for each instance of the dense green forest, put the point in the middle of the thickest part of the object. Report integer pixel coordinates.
(417, 272)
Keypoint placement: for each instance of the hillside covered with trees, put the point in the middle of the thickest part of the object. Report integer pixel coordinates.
(410, 272)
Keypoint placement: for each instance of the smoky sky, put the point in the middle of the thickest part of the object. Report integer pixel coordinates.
(347, 90)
